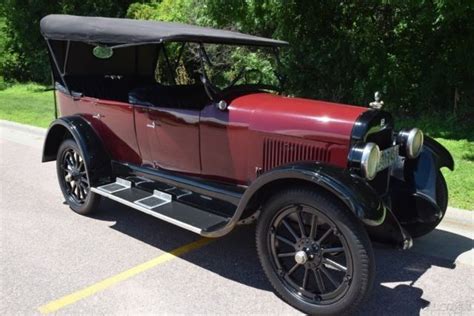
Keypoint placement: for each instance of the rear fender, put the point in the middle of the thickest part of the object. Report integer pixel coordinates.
(76, 127)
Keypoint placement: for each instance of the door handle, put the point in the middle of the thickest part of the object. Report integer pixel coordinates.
(98, 116)
(153, 124)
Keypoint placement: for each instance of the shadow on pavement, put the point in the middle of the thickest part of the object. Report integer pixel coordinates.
(234, 257)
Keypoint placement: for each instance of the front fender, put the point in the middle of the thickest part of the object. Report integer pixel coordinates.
(352, 190)
(414, 188)
(441, 155)
(96, 158)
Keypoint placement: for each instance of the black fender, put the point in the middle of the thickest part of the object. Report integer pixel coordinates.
(413, 190)
(97, 159)
(352, 190)
(441, 155)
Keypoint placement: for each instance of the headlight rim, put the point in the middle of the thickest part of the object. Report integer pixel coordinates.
(365, 160)
(410, 142)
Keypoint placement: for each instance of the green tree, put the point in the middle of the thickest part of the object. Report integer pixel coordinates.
(24, 51)
(419, 53)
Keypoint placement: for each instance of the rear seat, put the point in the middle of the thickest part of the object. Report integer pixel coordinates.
(109, 87)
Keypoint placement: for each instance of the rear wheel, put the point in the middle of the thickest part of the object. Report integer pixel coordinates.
(74, 178)
(315, 253)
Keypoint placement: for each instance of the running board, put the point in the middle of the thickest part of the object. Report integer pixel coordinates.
(163, 205)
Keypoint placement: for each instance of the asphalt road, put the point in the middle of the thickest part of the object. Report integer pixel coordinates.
(48, 252)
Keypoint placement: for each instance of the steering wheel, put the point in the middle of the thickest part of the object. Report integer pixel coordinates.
(243, 73)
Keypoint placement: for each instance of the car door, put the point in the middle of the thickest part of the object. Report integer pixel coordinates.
(169, 138)
(115, 123)
(112, 121)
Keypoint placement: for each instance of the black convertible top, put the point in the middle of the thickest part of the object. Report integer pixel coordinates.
(128, 31)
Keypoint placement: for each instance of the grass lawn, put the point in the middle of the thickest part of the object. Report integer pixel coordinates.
(461, 180)
(33, 104)
(28, 104)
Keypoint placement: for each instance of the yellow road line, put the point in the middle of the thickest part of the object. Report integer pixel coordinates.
(106, 283)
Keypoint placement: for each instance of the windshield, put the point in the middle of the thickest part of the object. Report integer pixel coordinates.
(225, 66)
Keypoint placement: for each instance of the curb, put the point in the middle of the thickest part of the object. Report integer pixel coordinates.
(23, 127)
(460, 217)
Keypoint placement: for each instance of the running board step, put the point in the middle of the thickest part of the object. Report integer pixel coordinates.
(161, 205)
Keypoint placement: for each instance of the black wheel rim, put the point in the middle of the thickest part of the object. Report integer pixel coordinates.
(75, 176)
(310, 255)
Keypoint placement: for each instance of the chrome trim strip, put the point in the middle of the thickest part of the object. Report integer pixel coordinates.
(148, 211)
(143, 180)
(184, 194)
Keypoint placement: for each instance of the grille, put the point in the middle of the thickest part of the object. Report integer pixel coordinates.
(279, 152)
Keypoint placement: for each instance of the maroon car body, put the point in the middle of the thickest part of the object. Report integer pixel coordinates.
(318, 177)
(209, 142)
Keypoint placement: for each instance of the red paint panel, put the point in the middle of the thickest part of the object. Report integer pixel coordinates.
(225, 145)
(296, 120)
(174, 138)
(118, 130)
(303, 118)
(256, 133)
(146, 139)
(113, 121)
(233, 143)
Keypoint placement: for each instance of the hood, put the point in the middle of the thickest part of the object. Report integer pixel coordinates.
(303, 118)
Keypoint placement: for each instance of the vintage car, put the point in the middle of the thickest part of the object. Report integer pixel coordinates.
(318, 178)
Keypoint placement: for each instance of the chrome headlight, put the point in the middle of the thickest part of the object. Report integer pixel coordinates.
(366, 157)
(411, 142)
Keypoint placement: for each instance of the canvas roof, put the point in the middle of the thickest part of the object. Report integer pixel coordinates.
(128, 31)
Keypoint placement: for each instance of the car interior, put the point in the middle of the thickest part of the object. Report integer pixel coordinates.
(141, 75)
(171, 75)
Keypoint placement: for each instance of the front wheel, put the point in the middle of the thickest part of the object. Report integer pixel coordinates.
(74, 180)
(315, 253)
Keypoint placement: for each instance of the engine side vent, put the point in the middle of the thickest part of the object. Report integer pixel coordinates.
(279, 152)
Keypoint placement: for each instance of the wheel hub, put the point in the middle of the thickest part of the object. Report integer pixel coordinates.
(308, 253)
(301, 257)
(74, 175)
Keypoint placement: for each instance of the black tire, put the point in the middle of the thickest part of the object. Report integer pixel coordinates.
(417, 230)
(73, 177)
(320, 210)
